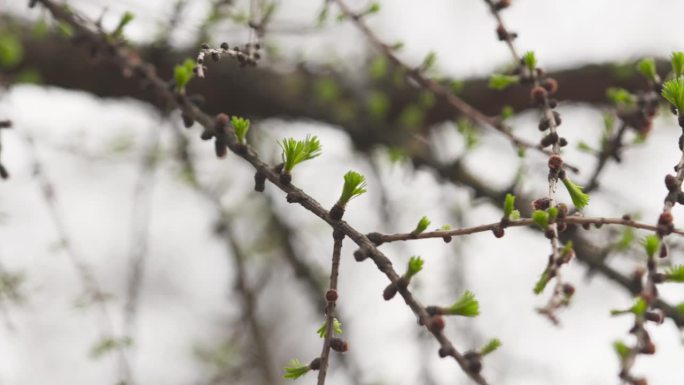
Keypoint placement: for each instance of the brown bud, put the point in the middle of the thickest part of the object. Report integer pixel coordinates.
(501, 4)
(331, 295)
(360, 255)
(550, 233)
(649, 348)
(663, 250)
(538, 94)
(187, 120)
(549, 139)
(640, 381)
(315, 364)
(473, 361)
(376, 238)
(498, 231)
(655, 316)
(336, 212)
(285, 177)
(550, 85)
(568, 289)
(220, 147)
(5, 124)
(224, 46)
(3, 172)
(259, 182)
(501, 33)
(665, 218)
(659, 277)
(436, 323)
(389, 292)
(671, 182)
(447, 239)
(680, 198)
(555, 162)
(443, 352)
(541, 203)
(562, 142)
(339, 345)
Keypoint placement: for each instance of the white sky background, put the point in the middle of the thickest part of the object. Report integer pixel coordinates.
(187, 300)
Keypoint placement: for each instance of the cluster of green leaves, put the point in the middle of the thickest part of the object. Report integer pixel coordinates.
(298, 151)
(541, 283)
(620, 96)
(651, 244)
(673, 91)
(640, 306)
(422, 225)
(354, 185)
(621, 349)
(241, 126)
(507, 112)
(429, 61)
(500, 82)
(647, 67)
(109, 344)
(491, 346)
(541, 219)
(337, 328)
(295, 369)
(579, 198)
(466, 128)
(530, 61)
(675, 273)
(415, 265)
(466, 306)
(183, 73)
(126, 18)
(509, 208)
(11, 50)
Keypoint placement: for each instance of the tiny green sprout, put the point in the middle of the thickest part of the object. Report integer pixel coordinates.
(626, 239)
(415, 265)
(639, 307)
(677, 63)
(541, 218)
(541, 283)
(295, 369)
(584, 147)
(651, 244)
(491, 346)
(567, 248)
(673, 91)
(446, 227)
(373, 8)
(354, 185)
(675, 273)
(647, 68)
(500, 82)
(422, 225)
(182, 74)
(553, 213)
(620, 96)
(241, 126)
(680, 307)
(509, 205)
(466, 306)
(429, 61)
(298, 151)
(621, 349)
(507, 112)
(337, 328)
(126, 18)
(530, 61)
(579, 198)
